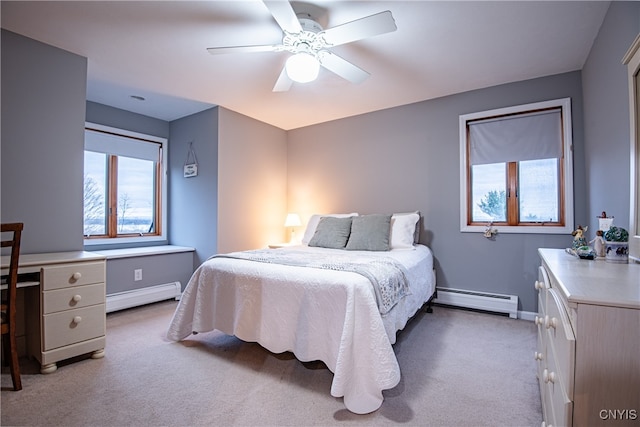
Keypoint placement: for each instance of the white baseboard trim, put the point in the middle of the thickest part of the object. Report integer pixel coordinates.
(527, 315)
(136, 297)
(498, 303)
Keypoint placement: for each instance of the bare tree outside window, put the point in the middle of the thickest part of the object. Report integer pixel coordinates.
(124, 202)
(94, 219)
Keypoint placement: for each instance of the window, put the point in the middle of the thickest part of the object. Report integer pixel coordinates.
(124, 186)
(516, 169)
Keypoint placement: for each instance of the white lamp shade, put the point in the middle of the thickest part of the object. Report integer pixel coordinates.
(302, 67)
(293, 220)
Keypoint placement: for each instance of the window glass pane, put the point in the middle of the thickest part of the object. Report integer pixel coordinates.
(136, 195)
(488, 196)
(95, 193)
(538, 197)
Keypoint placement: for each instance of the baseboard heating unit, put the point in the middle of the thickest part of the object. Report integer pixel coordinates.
(136, 297)
(479, 300)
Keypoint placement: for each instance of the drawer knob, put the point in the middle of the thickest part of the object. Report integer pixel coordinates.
(77, 319)
(538, 320)
(537, 355)
(77, 298)
(539, 285)
(548, 377)
(77, 275)
(550, 322)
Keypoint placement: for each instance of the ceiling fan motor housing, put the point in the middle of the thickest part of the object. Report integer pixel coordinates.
(309, 24)
(309, 40)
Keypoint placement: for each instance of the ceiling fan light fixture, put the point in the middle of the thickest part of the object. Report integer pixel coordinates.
(302, 67)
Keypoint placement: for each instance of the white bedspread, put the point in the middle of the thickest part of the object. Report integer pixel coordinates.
(317, 314)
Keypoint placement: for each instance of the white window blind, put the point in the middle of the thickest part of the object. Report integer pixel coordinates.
(515, 138)
(108, 143)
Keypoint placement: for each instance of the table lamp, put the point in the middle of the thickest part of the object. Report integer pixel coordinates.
(293, 220)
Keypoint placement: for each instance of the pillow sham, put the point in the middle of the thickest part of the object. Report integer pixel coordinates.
(404, 230)
(369, 233)
(331, 232)
(313, 223)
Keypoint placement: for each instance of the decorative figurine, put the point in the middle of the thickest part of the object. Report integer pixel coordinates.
(578, 237)
(490, 232)
(598, 244)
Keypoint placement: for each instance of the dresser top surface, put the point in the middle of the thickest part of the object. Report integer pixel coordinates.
(37, 260)
(594, 281)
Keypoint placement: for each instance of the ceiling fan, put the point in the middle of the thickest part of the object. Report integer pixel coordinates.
(310, 44)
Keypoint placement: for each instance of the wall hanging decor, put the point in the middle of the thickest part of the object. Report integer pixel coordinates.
(191, 163)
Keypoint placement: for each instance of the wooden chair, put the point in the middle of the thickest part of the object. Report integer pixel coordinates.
(9, 306)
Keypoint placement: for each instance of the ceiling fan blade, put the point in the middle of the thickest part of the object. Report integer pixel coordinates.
(284, 82)
(242, 49)
(284, 15)
(359, 29)
(342, 67)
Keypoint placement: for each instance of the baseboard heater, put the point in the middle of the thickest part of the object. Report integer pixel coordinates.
(147, 295)
(479, 300)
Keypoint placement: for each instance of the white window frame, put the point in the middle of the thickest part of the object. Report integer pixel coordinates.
(565, 105)
(162, 237)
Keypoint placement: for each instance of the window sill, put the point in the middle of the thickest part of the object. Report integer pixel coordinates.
(124, 242)
(518, 230)
(146, 251)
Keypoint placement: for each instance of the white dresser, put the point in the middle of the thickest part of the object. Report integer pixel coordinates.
(588, 352)
(64, 304)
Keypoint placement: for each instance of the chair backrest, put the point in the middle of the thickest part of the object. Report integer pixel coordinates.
(15, 230)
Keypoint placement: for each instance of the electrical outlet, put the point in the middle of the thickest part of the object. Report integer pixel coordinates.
(137, 274)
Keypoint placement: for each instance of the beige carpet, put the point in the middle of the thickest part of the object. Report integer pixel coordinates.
(459, 368)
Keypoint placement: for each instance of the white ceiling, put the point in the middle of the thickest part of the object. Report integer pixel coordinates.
(157, 49)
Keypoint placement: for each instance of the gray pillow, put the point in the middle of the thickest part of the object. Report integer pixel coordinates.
(370, 233)
(331, 232)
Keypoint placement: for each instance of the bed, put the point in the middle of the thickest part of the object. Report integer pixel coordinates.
(315, 302)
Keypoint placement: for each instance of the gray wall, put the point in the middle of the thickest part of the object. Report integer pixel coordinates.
(407, 158)
(156, 270)
(606, 112)
(252, 182)
(193, 210)
(43, 111)
(121, 119)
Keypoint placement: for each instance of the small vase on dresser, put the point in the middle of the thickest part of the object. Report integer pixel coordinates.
(616, 245)
(617, 252)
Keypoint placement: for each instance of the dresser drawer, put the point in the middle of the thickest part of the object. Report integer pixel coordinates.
(542, 306)
(64, 276)
(561, 403)
(72, 326)
(561, 341)
(540, 356)
(542, 286)
(548, 416)
(74, 297)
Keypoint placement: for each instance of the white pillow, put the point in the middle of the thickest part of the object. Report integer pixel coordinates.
(313, 224)
(403, 230)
